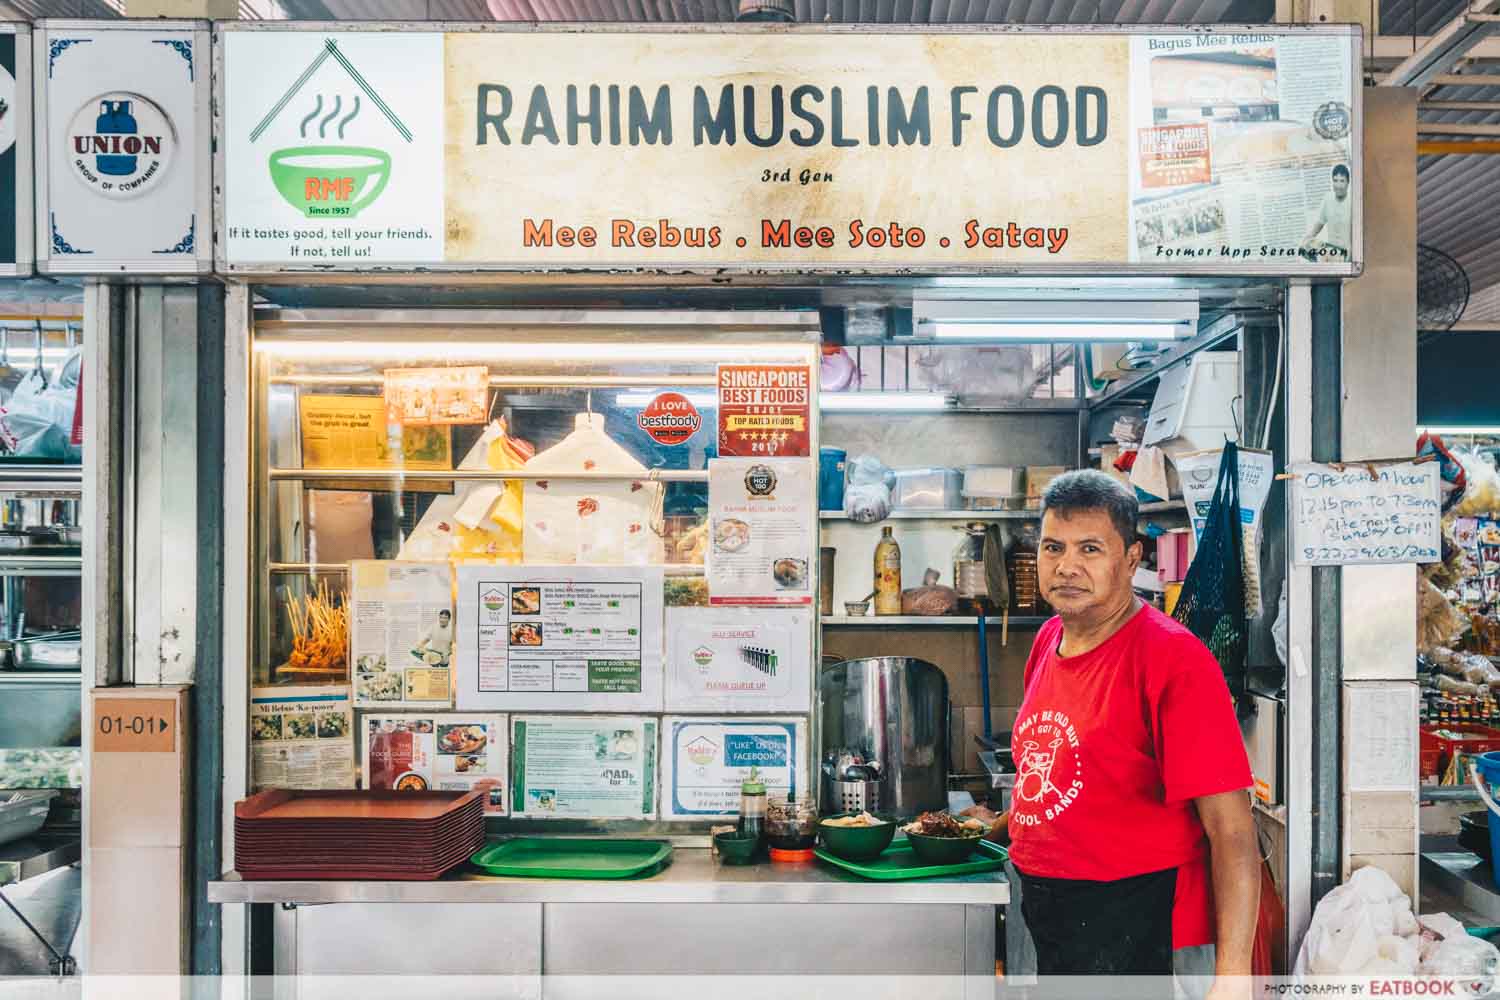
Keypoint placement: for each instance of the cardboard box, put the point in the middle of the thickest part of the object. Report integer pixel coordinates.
(1038, 478)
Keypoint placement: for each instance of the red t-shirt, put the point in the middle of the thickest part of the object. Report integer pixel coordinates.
(1111, 747)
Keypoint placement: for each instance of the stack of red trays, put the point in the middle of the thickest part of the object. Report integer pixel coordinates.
(378, 835)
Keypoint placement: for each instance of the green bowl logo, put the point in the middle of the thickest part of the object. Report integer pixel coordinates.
(703, 656)
(328, 182)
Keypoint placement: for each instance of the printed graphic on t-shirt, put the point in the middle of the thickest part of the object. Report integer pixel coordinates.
(1049, 770)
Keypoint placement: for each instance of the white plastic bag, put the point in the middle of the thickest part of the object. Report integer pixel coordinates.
(37, 420)
(867, 503)
(1353, 928)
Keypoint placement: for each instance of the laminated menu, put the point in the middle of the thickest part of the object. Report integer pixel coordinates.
(739, 659)
(301, 737)
(706, 760)
(440, 752)
(762, 526)
(560, 637)
(583, 767)
(401, 634)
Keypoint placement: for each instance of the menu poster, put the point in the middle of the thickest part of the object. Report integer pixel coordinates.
(739, 660)
(301, 737)
(350, 432)
(762, 522)
(437, 395)
(401, 634)
(583, 767)
(439, 752)
(706, 761)
(580, 638)
(764, 410)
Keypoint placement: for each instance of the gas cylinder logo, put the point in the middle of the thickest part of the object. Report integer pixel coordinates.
(120, 145)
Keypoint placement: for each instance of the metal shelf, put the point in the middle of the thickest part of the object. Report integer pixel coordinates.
(1163, 507)
(294, 568)
(1220, 331)
(50, 480)
(928, 621)
(490, 475)
(22, 565)
(940, 515)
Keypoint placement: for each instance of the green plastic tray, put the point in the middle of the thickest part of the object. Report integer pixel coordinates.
(898, 862)
(561, 857)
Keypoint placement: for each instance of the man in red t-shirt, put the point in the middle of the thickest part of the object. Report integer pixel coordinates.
(1129, 824)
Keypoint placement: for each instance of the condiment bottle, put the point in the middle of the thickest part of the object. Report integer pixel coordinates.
(753, 809)
(887, 574)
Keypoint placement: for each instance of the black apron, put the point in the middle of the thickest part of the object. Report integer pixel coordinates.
(1116, 928)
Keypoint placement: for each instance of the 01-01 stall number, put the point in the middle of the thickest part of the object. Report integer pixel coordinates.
(135, 725)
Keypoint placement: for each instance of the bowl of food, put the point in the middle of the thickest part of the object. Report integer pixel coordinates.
(940, 838)
(789, 573)
(856, 609)
(856, 836)
(736, 848)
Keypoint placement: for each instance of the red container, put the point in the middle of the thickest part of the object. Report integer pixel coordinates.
(1172, 556)
(1437, 751)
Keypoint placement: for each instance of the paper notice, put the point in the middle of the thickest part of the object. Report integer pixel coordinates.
(301, 737)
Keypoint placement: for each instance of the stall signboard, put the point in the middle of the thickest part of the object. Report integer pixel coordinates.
(1025, 151)
(301, 737)
(705, 760)
(446, 751)
(764, 410)
(1358, 514)
(739, 659)
(583, 767)
(15, 150)
(579, 638)
(122, 147)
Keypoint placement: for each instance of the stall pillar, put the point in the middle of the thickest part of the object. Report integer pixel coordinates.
(1379, 603)
(153, 595)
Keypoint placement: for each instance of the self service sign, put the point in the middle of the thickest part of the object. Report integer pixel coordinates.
(521, 148)
(123, 148)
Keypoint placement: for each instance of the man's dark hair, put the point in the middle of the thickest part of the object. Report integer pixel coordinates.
(1092, 490)
(1341, 171)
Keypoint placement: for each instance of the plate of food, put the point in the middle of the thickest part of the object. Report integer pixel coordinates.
(411, 781)
(790, 574)
(525, 634)
(731, 534)
(462, 739)
(525, 600)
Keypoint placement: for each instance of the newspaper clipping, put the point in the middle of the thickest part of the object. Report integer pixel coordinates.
(1243, 149)
(401, 634)
(301, 737)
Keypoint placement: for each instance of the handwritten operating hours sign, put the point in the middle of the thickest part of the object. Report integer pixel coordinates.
(1361, 514)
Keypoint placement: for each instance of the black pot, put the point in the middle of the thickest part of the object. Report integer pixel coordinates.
(1474, 832)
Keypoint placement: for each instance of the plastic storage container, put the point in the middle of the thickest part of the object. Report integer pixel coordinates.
(831, 478)
(927, 489)
(1196, 404)
(994, 487)
(1435, 751)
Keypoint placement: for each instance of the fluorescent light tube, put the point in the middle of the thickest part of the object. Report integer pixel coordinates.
(375, 351)
(705, 400)
(1053, 331)
(880, 401)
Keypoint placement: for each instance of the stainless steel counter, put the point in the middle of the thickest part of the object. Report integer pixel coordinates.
(1460, 878)
(692, 877)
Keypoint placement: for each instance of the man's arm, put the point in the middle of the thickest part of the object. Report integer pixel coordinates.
(1234, 859)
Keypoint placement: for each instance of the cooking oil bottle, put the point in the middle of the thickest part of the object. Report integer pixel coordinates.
(887, 574)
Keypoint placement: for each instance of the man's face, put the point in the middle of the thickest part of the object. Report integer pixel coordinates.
(1340, 186)
(1083, 564)
(444, 617)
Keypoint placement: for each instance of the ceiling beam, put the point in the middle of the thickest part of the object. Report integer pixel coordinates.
(1441, 128)
(1449, 44)
(1389, 49)
(1458, 105)
(1436, 147)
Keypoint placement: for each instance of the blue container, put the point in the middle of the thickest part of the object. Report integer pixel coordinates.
(831, 478)
(115, 119)
(1489, 771)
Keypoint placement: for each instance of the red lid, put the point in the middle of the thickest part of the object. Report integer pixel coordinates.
(777, 854)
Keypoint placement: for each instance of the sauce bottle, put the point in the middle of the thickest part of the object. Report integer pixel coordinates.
(887, 574)
(753, 809)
